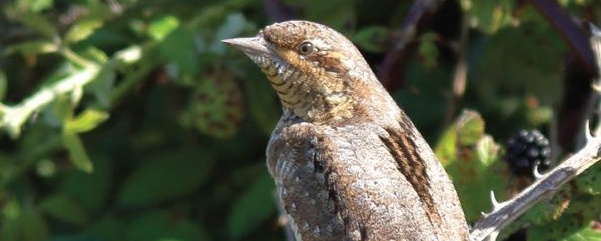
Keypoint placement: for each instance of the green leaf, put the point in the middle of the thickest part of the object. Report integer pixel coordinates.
(32, 47)
(253, 207)
(469, 128)
(179, 49)
(166, 176)
(77, 152)
(371, 39)
(90, 189)
(3, 85)
(39, 23)
(33, 226)
(161, 28)
(66, 209)
(163, 226)
(567, 228)
(489, 16)
(427, 50)
(472, 160)
(108, 228)
(11, 224)
(35, 5)
(532, 67)
(588, 181)
(87, 25)
(233, 25)
(86, 121)
(262, 101)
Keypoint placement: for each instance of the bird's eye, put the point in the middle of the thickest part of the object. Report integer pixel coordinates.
(306, 48)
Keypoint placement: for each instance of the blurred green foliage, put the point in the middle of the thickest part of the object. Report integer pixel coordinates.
(130, 120)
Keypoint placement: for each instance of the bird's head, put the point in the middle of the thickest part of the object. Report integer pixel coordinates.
(317, 73)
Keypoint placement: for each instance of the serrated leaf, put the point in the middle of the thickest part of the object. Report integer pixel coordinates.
(159, 225)
(86, 121)
(39, 23)
(77, 153)
(475, 169)
(469, 128)
(253, 207)
(166, 176)
(160, 28)
(65, 208)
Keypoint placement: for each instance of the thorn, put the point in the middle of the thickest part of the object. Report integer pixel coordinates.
(493, 199)
(587, 131)
(537, 175)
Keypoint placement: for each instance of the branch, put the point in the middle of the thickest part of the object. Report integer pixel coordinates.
(12, 118)
(545, 185)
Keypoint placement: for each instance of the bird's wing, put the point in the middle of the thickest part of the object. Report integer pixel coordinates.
(344, 184)
(298, 166)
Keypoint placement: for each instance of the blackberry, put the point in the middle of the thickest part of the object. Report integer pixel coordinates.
(527, 149)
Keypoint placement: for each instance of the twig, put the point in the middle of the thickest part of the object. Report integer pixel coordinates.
(545, 185)
(13, 117)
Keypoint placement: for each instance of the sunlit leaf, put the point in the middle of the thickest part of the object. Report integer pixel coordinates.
(87, 24)
(35, 5)
(160, 28)
(32, 47)
(66, 209)
(86, 121)
(471, 158)
(77, 153)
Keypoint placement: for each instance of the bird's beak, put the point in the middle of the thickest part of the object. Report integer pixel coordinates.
(254, 46)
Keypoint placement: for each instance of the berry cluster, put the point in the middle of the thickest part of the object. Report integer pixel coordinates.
(527, 149)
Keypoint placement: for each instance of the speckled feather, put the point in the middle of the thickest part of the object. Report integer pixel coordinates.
(347, 162)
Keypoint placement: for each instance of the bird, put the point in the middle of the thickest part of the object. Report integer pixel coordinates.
(347, 162)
